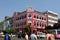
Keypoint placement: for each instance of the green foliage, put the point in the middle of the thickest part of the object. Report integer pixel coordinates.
(9, 31)
(56, 26)
(1, 25)
(48, 27)
(27, 28)
(1, 36)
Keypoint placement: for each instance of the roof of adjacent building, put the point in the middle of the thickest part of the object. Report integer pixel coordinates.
(52, 12)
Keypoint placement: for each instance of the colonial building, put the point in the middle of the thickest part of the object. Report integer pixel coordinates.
(36, 19)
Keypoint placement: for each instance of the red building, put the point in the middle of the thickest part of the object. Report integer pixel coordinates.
(36, 19)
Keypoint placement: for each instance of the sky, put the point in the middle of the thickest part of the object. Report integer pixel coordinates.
(8, 7)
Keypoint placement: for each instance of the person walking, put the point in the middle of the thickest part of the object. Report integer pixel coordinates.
(7, 37)
(49, 36)
(33, 35)
(26, 36)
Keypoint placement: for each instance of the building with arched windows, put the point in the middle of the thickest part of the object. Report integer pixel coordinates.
(36, 19)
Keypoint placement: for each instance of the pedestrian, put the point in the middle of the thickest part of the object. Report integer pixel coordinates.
(11, 35)
(53, 38)
(26, 36)
(49, 36)
(23, 35)
(33, 35)
(7, 37)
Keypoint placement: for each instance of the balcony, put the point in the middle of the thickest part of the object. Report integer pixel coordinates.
(52, 21)
(52, 17)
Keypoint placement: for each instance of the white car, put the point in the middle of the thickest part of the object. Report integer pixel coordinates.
(12, 35)
(41, 35)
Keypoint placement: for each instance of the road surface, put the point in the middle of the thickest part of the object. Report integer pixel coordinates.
(15, 38)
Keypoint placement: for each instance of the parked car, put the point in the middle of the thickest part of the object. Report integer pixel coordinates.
(41, 35)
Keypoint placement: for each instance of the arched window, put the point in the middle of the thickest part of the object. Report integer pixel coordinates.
(40, 17)
(29, 15)
(37, 17)
(29, 23)
(40, 24)
(20, 18)
(34, 16)
(44, 18)
(35, 23)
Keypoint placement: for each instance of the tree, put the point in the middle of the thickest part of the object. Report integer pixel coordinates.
(7, 31)
(1, 26)
(11, 30)
(56, 26)
(48, 27)
(27, 28)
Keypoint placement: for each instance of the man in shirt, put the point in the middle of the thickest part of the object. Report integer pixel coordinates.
(33, 36)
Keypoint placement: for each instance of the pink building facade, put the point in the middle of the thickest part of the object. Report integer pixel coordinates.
(36, 19)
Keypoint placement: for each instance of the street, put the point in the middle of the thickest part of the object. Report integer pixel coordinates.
(15, 38)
